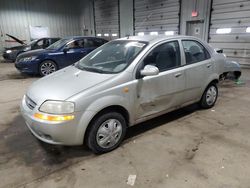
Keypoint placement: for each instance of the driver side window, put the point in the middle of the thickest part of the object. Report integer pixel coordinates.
(89, 43)
(39, 44)
(165, 56)
(74, 44)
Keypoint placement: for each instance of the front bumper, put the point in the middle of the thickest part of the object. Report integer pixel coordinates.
(59, 133)
(29, 67)
(9, 56)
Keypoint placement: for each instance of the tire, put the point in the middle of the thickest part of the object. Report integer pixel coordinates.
(209, 96)
(106, 132)
(47, 67)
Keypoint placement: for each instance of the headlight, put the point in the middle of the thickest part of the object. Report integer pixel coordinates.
(57, 107)
(31, 58)
(8, 51)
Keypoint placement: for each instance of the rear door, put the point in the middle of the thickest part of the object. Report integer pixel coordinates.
(163, 91)
(79, 48)
(198, 68)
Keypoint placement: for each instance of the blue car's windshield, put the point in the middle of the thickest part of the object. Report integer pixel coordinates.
(58, 44)
(112, 57)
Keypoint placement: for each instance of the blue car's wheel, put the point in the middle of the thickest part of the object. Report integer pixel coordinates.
(47, 67)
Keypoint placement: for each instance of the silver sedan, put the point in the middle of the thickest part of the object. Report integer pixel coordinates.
(120, 84)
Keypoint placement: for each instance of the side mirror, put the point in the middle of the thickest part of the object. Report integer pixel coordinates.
(218, 50)
(149, 70)
(65, 50)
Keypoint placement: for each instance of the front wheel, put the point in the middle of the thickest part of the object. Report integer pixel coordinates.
(106, 132)
(47, 67)
(209, 96)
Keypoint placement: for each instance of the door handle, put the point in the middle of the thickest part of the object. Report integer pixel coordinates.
(177, 75)
(209, 65)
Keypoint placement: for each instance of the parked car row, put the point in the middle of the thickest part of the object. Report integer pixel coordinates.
(46, 55)
(12, 52)
(119, 84)
(58, 55)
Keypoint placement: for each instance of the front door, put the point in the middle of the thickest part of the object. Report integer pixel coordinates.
(75, 51)
(163, 91)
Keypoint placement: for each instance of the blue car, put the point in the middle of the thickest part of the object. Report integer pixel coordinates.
(58, 55)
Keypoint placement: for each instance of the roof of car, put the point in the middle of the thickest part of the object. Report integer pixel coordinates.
(155, 38)
(80, 37)
(48, 38)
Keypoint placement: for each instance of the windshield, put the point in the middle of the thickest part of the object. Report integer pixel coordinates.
(58, 44)
(32, 42)
(112, 57)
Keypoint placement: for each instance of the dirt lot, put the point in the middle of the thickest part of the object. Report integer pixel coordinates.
(186, 148)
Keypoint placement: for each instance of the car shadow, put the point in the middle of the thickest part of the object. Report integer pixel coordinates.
(160, 121)
(20, 143)
(16, 76)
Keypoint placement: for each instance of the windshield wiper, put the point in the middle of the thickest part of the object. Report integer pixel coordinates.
(92, 69)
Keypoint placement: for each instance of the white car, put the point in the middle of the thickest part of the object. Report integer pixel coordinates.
(120, 84)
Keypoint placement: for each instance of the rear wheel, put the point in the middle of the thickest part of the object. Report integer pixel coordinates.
(47, 67)
(209, 96)
(106, 132)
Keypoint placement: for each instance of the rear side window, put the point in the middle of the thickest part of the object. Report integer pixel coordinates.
(165, 56)
(194, 51)
(89, 43)
(93, 43)
(99, 42)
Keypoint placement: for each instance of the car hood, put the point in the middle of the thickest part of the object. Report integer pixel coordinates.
(15, 39)
(33, 53)
(16, 47)
(64, 83)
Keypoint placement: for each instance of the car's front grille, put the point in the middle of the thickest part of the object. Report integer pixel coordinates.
(30, 103)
